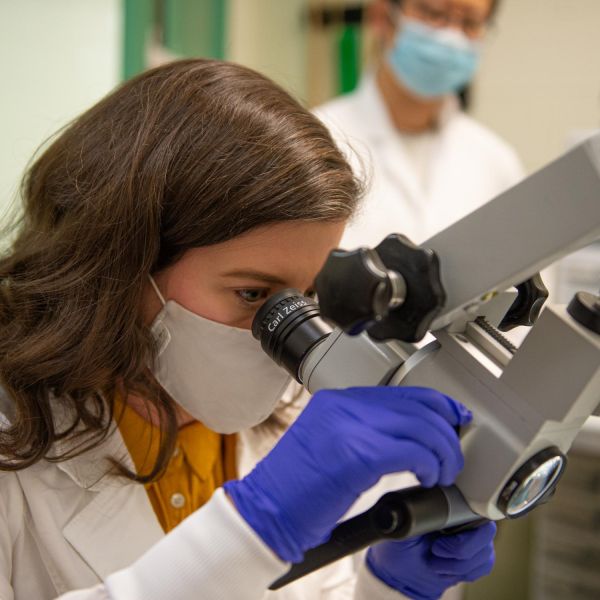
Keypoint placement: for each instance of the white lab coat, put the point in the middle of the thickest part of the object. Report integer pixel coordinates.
(467, 165)
(66, 526)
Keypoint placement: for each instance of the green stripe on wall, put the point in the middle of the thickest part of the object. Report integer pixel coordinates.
(137, 20)
(349, 58)
(195, 27)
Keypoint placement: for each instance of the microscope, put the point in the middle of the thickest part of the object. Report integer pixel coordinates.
(529, 403)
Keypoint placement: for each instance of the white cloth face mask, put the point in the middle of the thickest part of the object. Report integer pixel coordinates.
(216, 372)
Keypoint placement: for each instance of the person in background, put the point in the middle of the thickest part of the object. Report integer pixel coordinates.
(429, 163)
(153, 228)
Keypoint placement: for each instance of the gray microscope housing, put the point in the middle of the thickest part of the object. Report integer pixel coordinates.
(526, 401)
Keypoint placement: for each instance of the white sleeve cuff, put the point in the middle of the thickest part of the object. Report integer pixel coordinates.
(369, 587)
(214, 554)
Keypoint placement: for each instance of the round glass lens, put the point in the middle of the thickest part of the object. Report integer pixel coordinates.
(535, 486)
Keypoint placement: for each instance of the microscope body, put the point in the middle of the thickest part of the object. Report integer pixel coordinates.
(539, 398)
(524, 400)
(528, 403)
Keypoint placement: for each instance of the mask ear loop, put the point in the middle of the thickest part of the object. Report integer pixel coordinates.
(160, 296)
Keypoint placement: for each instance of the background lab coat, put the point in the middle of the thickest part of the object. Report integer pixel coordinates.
(467, 166)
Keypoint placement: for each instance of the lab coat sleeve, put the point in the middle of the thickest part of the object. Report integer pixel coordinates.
(213, 554)
(98, 592)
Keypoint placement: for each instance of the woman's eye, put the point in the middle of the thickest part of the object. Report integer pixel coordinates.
(252, 296)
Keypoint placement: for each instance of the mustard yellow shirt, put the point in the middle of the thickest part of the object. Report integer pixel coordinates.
(202, 461)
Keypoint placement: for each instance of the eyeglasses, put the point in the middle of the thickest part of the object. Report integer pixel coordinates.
(470, 25)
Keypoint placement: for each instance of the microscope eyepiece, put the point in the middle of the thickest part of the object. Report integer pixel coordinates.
(288, 325)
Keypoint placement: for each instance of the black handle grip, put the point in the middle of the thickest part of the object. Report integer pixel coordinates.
(397, 515)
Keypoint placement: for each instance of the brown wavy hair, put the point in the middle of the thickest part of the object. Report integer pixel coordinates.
(190, 154)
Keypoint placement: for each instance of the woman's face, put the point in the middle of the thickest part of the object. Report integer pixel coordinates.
(228, 282)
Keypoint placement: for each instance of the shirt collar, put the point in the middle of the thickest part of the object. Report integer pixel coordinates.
(378, 122)
(197, 445)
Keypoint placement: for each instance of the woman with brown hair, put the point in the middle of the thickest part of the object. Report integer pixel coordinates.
(153, 228)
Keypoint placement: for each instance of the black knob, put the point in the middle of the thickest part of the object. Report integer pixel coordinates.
(425, 295)
(585, 309)
(354, 289)
(528, 304)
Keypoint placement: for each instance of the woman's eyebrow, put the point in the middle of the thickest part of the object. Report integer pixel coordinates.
(258, 275)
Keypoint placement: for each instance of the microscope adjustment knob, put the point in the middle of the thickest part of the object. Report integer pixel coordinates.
(354, 289)
(585, 309)
(424, 293)
(528, 304)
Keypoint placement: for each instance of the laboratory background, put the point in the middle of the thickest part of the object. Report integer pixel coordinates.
(538, 88)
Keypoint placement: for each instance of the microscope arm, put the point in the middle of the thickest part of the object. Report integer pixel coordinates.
(550, 214)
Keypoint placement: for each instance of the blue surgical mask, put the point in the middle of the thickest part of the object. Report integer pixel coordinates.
(433, 62)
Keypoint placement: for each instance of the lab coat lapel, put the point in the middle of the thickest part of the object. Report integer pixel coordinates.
(398, 168)
(118, 524)
(449, 172)
(114, 529)
(390, 155)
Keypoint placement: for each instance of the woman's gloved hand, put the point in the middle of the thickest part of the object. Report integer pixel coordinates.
(423, 568)
(341, 445)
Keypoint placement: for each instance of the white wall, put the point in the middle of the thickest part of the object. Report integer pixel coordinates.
(58, 58)
(540, 78)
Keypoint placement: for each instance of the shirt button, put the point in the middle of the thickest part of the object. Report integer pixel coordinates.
(177, 500)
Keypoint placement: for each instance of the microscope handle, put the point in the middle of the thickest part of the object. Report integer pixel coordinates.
(464, 527)
(396, 515)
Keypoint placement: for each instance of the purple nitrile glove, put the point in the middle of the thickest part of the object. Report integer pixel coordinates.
(422, 568)
(341, 445)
